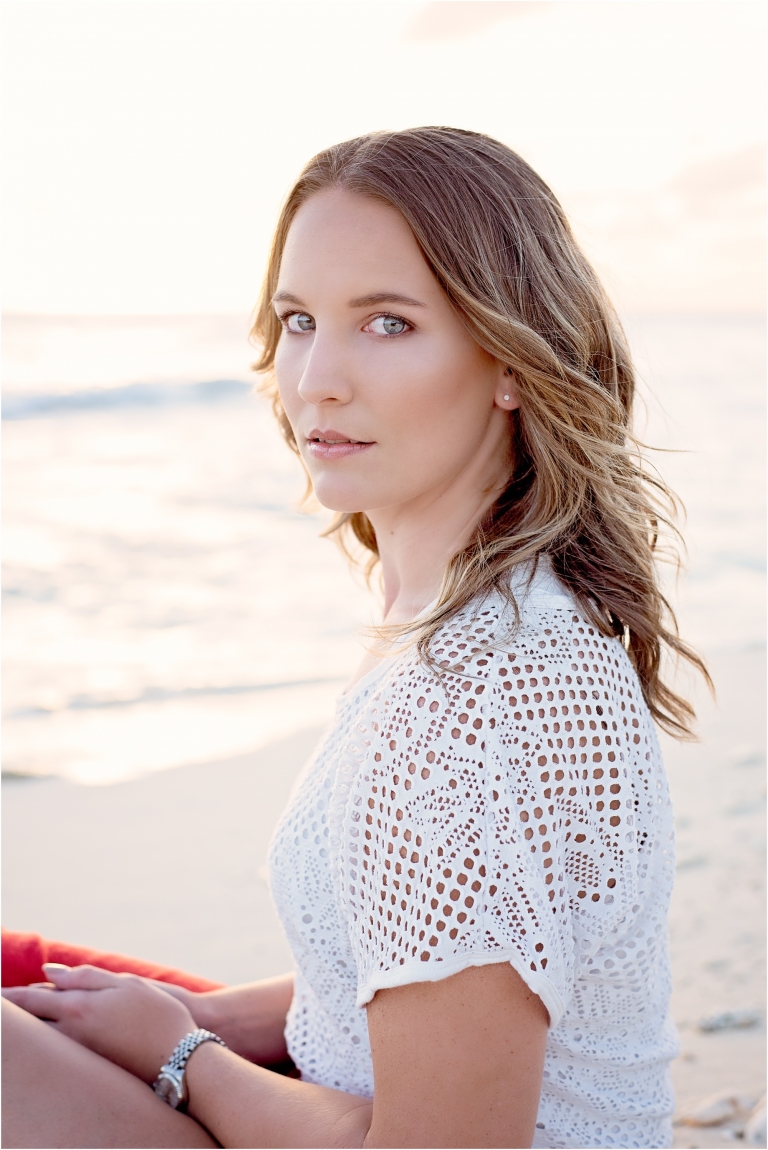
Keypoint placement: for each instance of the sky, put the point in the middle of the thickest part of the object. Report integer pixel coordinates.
(148, 144)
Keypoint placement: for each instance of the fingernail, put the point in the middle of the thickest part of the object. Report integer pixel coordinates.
(56, 966)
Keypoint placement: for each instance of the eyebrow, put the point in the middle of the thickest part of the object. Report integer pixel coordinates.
(361, 301)
(384, 297)
(286, 297)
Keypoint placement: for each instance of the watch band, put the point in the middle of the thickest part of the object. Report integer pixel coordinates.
(190, 1042)
(170, 1084)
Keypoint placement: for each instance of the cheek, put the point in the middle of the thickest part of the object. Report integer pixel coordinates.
(414, 374)
(441, 390)
(287, 378)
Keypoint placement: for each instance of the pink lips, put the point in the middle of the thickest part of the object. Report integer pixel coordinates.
(331, 444)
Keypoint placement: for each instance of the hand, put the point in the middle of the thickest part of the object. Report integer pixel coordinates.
(119, 1016)
(204, 1006)
(250, 1018)
(196, 1002)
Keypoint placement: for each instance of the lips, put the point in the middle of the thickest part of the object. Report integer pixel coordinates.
(332, 436)
(332, 444)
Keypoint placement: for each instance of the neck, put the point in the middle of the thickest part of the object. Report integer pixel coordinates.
(417, 540)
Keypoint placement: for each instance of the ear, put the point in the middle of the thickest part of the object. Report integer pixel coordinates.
(506, 396)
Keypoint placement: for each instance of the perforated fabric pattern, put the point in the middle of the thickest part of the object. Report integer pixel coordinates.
(509, 806)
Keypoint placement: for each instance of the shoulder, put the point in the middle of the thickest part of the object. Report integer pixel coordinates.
(534, 617)
(534, 602)
(519, 674)
(456, 688)
(535, 622)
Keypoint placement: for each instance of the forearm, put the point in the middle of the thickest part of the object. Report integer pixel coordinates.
(245, 1105)
(250, 1018)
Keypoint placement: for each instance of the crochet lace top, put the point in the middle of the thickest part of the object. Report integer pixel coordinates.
(508, 804)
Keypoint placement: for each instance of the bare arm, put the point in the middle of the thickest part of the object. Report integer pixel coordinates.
(244, 1105)
(456, 1063)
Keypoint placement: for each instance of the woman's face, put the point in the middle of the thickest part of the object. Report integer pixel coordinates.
(389, 397)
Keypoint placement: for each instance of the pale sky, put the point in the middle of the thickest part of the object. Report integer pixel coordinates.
(147, 144)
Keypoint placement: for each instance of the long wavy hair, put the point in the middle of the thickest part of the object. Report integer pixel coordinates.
(499, 244)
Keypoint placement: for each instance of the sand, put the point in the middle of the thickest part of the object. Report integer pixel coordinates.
(171, 867)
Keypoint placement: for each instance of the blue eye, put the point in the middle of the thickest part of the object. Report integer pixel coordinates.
(299, 322)
(388, 325)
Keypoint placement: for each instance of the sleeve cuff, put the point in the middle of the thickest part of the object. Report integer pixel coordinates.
(409, 972)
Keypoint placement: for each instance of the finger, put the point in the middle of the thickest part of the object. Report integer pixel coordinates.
(38, 985)
(14, 993)
(80, 977)
(10, 992)
(35, 1000)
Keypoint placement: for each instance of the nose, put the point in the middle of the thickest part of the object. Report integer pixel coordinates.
(325, 378)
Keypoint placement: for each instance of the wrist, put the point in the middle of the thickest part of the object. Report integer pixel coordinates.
(206, 1009)
(158, 1052)
(171, 1082)
(221, 1011)
(203, 1067)
(250, 1019)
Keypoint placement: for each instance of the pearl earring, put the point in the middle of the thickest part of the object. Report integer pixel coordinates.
(506, 397)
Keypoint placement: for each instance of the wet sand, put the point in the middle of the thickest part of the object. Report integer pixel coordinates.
(171, 867)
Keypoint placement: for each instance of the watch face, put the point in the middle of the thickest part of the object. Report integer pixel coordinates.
(166, 1088)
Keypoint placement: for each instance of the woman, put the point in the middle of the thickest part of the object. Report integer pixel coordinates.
(474, 870)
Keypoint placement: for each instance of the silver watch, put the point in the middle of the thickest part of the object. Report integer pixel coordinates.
(170, 1084)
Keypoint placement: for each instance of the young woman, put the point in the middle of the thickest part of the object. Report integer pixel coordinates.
(475, 868)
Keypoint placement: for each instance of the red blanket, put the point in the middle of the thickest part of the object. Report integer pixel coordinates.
(24, 955)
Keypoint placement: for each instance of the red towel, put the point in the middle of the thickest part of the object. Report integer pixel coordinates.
(24, 955)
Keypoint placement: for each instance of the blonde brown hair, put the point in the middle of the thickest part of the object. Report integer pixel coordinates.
(499, 244)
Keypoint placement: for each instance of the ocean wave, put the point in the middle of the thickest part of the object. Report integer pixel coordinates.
(167, 694)
(19, 406)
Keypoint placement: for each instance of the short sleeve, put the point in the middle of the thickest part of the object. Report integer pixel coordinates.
(490, 819)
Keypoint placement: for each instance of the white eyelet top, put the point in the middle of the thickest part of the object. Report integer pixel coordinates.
(510, 806)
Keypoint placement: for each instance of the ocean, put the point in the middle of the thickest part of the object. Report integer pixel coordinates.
(166, 601)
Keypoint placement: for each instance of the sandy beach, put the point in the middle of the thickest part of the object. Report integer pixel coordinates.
(171, 867)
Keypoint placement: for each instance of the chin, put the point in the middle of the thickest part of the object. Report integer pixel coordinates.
(346, 506)
(338, 498)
